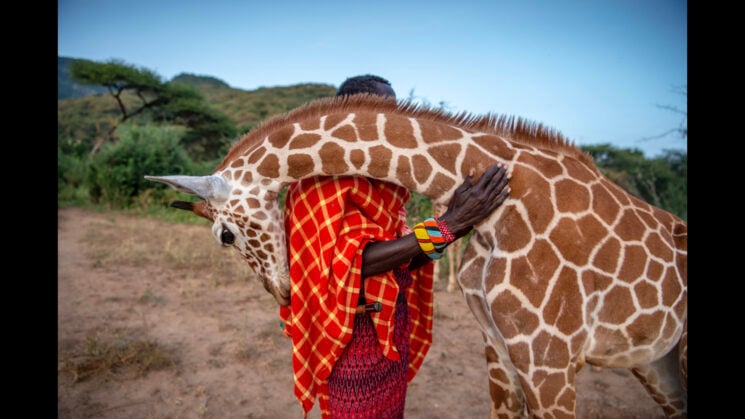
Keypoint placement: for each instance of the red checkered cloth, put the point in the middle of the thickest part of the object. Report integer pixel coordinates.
(329, 221)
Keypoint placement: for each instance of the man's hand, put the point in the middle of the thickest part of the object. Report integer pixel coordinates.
(471, 204)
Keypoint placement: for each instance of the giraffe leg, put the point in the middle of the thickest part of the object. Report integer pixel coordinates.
(662, 380)
(508, 399)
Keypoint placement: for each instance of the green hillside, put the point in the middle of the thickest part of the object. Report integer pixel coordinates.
(84, 112)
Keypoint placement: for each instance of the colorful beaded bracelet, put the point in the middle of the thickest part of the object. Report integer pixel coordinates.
(431, 238)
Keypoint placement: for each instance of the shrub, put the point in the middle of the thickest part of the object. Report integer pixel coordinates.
(116, 173)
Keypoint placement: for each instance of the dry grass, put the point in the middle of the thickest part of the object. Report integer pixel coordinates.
(116, 354)
(191, 250)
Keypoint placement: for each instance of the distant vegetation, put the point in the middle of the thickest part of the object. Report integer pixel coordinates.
(187, 124)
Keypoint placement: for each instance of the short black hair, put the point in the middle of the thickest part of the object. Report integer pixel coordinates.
(368, 83)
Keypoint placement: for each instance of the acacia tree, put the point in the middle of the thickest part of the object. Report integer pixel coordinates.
(209, 129)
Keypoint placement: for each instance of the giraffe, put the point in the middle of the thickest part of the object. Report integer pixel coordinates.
(570, 269)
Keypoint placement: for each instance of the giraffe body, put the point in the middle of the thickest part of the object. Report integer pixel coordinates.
(570, 270)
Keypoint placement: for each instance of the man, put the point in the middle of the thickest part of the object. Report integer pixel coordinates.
(361, 310)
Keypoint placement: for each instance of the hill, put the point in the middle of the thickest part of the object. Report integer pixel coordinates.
(83, 113)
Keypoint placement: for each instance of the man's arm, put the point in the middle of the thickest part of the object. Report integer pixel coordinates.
(469, 206)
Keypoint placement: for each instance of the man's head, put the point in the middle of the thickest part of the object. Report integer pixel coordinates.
(367, 83)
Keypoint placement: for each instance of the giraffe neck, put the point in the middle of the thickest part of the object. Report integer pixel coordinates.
(422, 150)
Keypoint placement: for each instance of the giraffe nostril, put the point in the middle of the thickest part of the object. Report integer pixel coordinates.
(227, 237)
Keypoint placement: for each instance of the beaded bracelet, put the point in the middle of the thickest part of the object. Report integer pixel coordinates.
(445, 230)
(431, 239)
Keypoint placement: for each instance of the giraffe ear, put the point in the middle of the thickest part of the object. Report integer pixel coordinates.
(213, 188)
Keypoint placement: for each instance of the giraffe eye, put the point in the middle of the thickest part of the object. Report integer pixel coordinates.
(226, 237)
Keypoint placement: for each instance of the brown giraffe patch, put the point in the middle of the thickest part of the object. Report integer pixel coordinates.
(566, 400)
(573, 237)
(333, 120)
(332, 164)
(473, 154)
(671, 289)
(547, 167)
(577, 342)
(680, 307)
(345, 133)
(513, 319)
(439, 185)
(654, 270)
(269, 167)
(445, 155)
(422, 168)
(367, 127)
(630, 227)
(403, 172)
(238, 163)
(496, 269)
(657, 247)
(579, 170)
(433, 132)
(550, 351)
(603, 203)
(279, 137)
(255, 156)
(646, 294)
(399, 132)
(593, 281)
(671, 326)
(519, 234)
(532, 189)
(619, 194)
(524, 276)
(564, 306)
(608, 256)
(495, 145)
(299, 165)
(304, 141)
(576, 197)
(549, 386)
(635, 262)
(357, 157)
(382, 156)
(645, 329)
(520, 355)
(617, 306)
(247, 178)
(648, 220)
(309, 124)
(497, 374)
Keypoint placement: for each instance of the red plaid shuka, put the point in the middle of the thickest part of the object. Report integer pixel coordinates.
(329, 221)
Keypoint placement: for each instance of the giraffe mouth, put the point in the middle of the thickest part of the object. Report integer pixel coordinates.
(282, 296)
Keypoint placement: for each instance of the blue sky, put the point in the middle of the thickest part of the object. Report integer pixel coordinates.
(598, 71)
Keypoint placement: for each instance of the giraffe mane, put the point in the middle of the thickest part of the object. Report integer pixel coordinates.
(516, 129)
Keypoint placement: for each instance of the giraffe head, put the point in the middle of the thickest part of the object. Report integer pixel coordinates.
(247, 218)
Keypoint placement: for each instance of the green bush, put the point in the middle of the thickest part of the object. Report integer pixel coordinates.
(116, 173)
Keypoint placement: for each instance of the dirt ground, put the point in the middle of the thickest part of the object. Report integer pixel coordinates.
(156, 320)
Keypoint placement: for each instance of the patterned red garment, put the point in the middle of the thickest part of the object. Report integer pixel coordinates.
(331, 221)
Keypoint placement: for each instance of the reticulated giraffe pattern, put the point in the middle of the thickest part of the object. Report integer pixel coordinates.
(570, 270)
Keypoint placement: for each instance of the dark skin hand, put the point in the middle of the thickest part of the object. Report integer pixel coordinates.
(471, 204)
